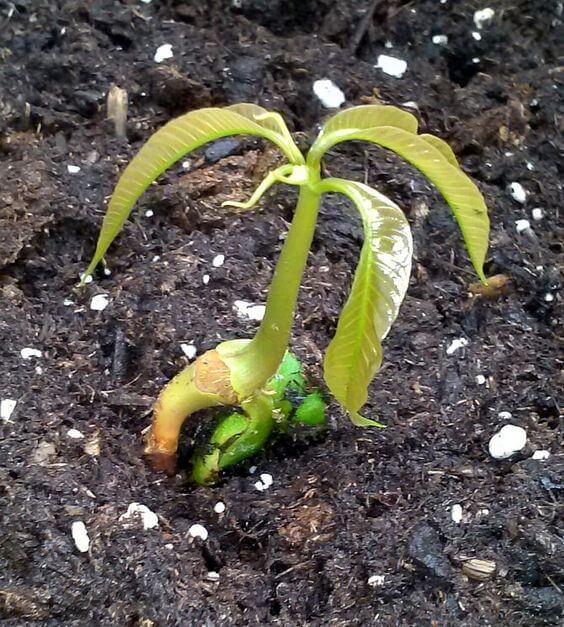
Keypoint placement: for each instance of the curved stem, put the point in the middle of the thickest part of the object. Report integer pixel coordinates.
(261, 421)
(292, 151)
(274, 177)
(178, 399)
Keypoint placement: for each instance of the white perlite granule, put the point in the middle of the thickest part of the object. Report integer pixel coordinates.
(330, 96)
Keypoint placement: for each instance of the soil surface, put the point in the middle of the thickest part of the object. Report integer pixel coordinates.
(357, 527)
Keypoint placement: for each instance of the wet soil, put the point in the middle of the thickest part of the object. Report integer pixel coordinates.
(357, 527)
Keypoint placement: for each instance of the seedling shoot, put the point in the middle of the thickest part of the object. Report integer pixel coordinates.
(258, 378)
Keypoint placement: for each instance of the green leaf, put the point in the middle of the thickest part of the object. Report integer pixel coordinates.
(442, 147)
(170, 143)
(369, 116)
(355, 119)
(381, 279)
(434, 158)
(269, 120)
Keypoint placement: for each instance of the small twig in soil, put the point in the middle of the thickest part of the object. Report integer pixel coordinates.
(293, 568)
(362, 27)
(554, 584)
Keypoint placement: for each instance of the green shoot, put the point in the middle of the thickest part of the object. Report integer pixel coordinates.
(258, 375)
(238, 436)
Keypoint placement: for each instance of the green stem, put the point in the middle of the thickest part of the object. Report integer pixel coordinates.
(258, 360)
(274, 332)
(235, 370)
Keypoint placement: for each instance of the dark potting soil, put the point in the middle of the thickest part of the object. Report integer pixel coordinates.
(357, 527)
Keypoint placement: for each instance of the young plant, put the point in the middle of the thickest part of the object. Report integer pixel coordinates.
(243, 372)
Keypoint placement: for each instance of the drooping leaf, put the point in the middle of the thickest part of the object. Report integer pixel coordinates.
(442, 147)
(269, 120)
(380, 282)
(434, 158)
(369, 116)
(174, 140)
(356, 119)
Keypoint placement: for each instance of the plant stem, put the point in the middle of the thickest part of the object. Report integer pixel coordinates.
(259, 359)
(237, 369)
(274, 332)
(198, 386)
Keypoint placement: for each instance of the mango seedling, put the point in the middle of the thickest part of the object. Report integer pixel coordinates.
(252, 374)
